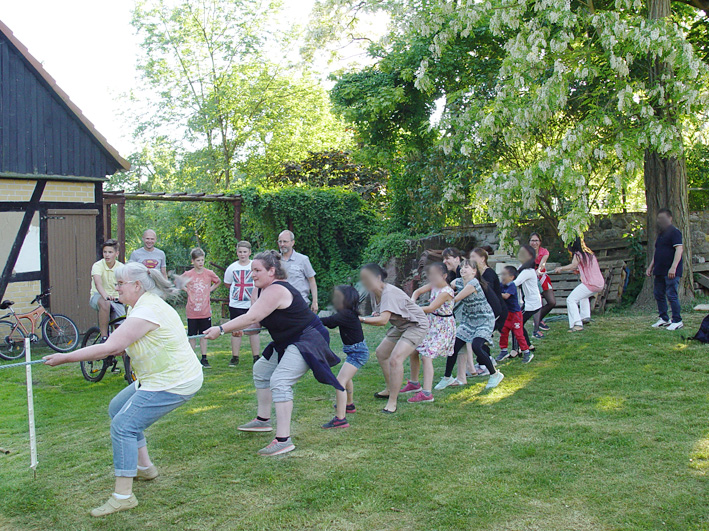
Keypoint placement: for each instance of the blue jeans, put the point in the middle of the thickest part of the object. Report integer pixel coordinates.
(132, 411)
(357, 354)
(668, 288)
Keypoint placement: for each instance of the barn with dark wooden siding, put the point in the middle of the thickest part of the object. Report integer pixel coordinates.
(53, 164)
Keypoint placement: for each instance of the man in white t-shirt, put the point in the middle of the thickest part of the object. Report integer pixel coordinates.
(149, 255)
(238, 276)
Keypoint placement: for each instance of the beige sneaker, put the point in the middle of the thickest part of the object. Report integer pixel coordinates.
(147, 475)
(114, 505)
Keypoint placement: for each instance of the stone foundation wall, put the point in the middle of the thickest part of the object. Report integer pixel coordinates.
(604, 229)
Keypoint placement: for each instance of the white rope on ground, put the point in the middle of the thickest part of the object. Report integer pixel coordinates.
(30, 405)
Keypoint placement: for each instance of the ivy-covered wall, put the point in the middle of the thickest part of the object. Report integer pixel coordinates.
(331, 225)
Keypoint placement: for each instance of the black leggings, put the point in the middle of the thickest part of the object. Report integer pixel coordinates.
(481, 348)
(550, 300)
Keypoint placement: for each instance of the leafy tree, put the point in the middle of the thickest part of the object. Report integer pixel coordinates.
(625, 67)
(334, 168)
(213, 93)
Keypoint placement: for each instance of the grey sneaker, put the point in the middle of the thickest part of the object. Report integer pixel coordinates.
(502, 356)
(256, 425)
(277, 448)
(528, 356)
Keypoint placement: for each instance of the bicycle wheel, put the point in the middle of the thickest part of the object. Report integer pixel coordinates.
(12, 341)
(93, 370)
(60, 333)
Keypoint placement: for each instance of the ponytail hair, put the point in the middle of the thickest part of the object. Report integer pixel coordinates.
(482, 252)
(152, 280)
(272, 260)
(375, 269)
(579, 247)
(529, 264)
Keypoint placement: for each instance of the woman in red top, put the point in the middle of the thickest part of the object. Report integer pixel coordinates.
(535, 240)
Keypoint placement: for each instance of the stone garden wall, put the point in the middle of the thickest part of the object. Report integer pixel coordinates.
(604, 229)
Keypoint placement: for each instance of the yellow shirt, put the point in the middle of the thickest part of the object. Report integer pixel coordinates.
(163, 359)
(108, 277)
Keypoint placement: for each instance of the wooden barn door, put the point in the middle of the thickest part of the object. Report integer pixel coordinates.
(71, 241)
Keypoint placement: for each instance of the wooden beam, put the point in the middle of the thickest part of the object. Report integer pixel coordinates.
(121, 230)
(703, 280)
(237, 218)
(32, 208)
(115, 197)
(107, 221)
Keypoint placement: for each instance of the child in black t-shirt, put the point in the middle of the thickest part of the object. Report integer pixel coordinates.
(345, 299)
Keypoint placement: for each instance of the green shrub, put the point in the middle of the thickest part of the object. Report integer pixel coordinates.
(331, 225)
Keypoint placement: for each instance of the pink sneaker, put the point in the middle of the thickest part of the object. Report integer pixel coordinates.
(420, 397)
(410, 388)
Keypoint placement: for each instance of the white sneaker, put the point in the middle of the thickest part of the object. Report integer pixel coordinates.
(494, 380)
(661, 323)
(445, 382)
(676, 326)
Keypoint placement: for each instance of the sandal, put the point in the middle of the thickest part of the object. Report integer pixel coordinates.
(457, 383)
(388, 412)
(381, 396)
(576, 329)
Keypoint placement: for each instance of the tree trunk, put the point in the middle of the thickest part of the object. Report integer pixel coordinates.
(666, 181)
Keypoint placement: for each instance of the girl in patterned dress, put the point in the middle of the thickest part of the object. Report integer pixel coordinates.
(477, 323)
(441, 330)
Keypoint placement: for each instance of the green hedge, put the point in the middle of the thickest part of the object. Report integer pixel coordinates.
(331, 225)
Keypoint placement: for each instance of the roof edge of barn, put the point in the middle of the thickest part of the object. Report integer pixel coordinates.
(64, 97)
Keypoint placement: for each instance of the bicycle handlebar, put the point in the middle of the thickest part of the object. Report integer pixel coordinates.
(38, 298)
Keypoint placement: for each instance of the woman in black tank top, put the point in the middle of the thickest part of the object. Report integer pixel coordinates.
(300, 343)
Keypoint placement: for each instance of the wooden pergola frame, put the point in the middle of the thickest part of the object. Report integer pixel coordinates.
(119, 198)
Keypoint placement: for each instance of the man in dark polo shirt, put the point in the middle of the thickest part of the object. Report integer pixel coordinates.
(666, 268)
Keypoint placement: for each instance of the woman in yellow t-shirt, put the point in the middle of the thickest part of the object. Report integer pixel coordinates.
(168, 372)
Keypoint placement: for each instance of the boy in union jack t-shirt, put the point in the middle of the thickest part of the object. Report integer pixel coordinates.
(238, 276)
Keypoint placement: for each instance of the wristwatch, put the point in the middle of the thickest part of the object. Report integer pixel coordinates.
(221, 329)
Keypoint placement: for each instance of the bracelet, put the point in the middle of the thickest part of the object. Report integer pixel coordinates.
(221, 330)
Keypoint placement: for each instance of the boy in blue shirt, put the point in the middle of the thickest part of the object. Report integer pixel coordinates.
(514, 321)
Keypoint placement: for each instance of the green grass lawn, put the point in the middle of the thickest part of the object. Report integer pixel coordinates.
(604, 430)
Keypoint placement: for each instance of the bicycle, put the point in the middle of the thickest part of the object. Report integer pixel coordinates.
(58, 331)
(95, 370)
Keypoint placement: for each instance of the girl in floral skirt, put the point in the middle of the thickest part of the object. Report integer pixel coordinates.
(441, 332)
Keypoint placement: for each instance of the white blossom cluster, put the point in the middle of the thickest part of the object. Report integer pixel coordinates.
(560, 59)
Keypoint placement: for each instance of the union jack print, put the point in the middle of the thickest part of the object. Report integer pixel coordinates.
(242, 285)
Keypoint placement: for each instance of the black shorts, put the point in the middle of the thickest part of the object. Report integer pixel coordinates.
(237, 312)
(198, 326)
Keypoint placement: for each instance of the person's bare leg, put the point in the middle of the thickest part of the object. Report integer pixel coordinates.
(402, 350)
(235, 346)
(284, 411)
(124, 486)
(104, 316)
(415, 364)
(350, 392)
(427, 374)
(383, 353)
(462, 367)
(470, 361)
(203, 346)
(255, 345)
(193, 345)
(143, 457)
(264, 403)
(345, 376)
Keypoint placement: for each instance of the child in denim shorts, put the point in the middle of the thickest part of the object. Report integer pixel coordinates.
(345, 299)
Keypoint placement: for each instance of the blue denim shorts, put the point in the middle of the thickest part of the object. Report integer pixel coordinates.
(357, 354)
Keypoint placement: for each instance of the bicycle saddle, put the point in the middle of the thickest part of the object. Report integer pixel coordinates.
(6, 304)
